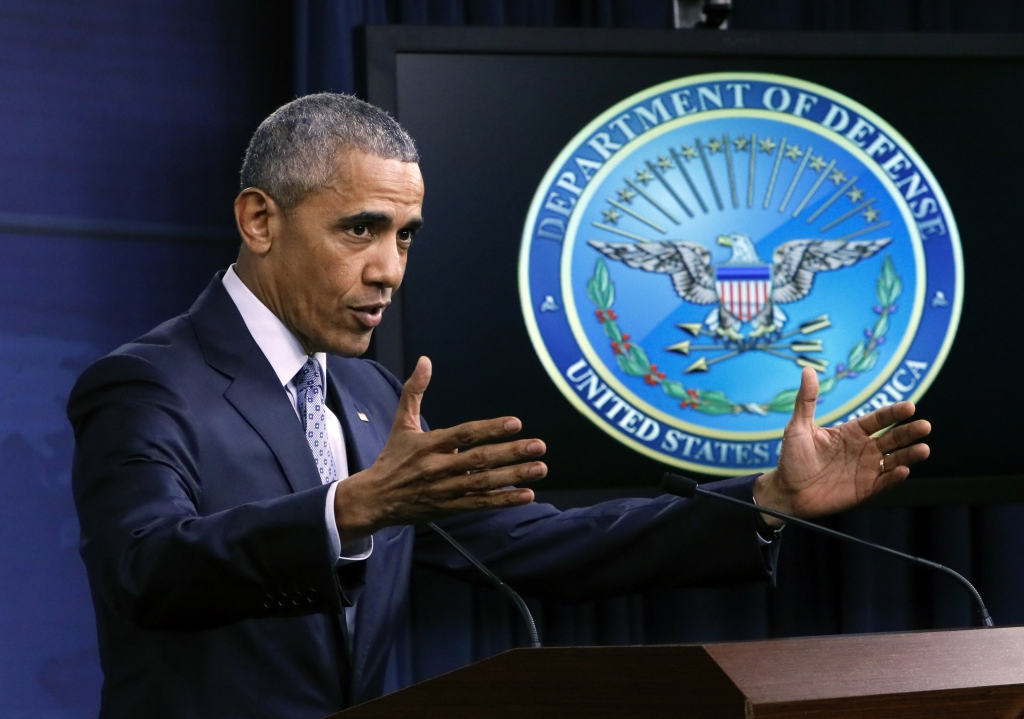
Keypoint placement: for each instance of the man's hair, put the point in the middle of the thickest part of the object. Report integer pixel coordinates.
(294, 151)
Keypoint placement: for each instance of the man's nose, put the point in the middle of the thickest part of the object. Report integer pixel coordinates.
(387, 266)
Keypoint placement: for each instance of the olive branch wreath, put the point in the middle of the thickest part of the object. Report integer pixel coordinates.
(633, 360)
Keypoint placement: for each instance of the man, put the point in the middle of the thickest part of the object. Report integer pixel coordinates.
(248, 490)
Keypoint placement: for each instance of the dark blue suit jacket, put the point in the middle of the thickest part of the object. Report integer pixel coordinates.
(203, 532)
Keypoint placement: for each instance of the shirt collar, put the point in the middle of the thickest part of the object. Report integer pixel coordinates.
(278, 344)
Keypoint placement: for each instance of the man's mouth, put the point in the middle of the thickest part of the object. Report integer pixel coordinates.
(369, 315)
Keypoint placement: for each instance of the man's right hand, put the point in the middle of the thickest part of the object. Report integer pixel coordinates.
(422, 476)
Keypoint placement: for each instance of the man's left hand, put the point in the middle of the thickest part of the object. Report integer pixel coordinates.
(828, 469)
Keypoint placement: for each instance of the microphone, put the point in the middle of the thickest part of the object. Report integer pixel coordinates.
(524, 611)
(685, 487)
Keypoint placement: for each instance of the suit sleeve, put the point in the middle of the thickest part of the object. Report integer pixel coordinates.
(150, 555)
(611, 548)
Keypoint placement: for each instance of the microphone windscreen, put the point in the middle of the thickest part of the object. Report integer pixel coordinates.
(678, 485)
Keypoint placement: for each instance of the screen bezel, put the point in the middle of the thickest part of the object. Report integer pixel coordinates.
(379, 47)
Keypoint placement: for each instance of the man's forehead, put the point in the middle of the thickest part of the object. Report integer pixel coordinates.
(355, 164)
(365, 183)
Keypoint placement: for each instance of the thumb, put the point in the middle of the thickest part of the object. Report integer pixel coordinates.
(806, 400)
(408, 414)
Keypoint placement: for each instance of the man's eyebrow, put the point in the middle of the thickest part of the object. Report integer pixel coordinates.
(367, 217)
(414, 225)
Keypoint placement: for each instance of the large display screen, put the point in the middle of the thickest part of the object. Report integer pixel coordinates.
(490, 127)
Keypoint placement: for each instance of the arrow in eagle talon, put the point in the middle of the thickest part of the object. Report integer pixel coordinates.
(801, 346)
(818, 365)
(684, 348)
(695, 329)
(809, 327)
(812, 326)
(703, 363)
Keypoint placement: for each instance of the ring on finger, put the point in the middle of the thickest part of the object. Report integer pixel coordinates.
(881, 464)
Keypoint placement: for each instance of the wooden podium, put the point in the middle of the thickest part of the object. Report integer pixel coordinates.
(955, 674)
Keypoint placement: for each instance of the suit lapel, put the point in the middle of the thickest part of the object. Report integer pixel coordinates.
(258, 396)
(255, 391)
(364, 438)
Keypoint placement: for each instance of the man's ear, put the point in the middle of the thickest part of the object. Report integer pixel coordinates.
(254, 210)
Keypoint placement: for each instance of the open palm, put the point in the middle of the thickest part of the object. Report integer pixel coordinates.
(827, 469)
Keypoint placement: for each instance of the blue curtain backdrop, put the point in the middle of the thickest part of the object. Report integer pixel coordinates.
(123, 126)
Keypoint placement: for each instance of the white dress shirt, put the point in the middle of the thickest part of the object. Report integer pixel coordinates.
(287, 357)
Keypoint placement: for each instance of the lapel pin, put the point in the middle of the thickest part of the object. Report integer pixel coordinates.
(362, 416)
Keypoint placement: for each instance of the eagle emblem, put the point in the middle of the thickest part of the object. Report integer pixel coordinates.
(744, 288)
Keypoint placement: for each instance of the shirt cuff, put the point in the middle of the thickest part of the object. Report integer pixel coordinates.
(355, 552)
(766, 534)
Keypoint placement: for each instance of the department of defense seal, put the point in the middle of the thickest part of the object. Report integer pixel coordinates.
(697, 244)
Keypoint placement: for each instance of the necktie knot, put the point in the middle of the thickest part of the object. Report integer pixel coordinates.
(309, 376)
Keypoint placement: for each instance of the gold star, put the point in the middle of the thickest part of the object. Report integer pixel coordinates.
(816, 163)
(856, 194)
(837, 177)
(870, 214)
(611, 216)
(644, 176)
(714, 145)
(767, 146)
(688, 152)
(664, 164)
(741, 143)
(626, 196)
(793, 152)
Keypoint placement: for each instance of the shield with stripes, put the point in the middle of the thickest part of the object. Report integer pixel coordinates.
(743, 290)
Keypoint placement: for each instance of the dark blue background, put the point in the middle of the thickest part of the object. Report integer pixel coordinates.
(123, 125)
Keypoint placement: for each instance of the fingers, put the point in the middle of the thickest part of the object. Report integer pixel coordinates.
(488, 456)
(461, 485)
(903, 435)
(472, 433)
(886, 416)
(408, 414)
(495, 499)
(898, 463)
(906, 457)
(806, 399)
(893, 476)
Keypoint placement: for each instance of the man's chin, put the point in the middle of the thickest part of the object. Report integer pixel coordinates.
(351, 345)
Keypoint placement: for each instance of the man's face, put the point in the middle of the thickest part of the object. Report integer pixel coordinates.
(340, 253)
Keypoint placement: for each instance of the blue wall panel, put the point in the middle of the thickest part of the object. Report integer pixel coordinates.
(63, 302)
(128, 115)
(135, 110)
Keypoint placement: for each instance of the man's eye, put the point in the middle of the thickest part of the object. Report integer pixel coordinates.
(405, 235)
(360, 230)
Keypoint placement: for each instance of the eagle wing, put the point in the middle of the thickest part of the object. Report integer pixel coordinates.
(688, 263)
(796, 263)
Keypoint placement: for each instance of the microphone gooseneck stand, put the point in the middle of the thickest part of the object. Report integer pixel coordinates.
(531, 626)
(685, 487)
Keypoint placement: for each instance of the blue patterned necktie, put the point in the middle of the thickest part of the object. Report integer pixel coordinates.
(314, 418)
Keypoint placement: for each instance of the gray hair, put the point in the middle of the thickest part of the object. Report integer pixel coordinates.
(293, 152)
